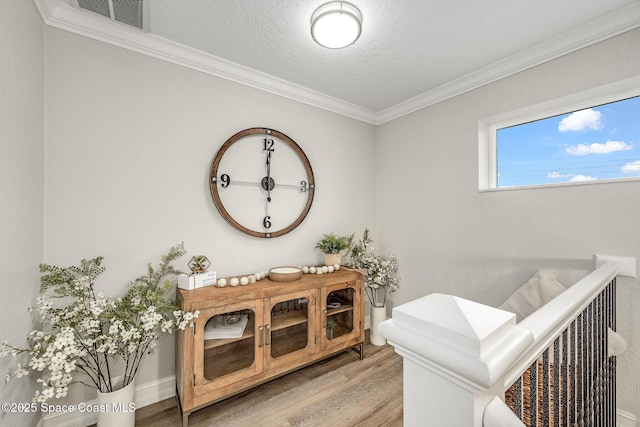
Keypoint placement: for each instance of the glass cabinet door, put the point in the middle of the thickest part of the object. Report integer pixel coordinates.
(339, 314)
(226, 343)
(288, 327)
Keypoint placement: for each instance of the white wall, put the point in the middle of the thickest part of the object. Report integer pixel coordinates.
(21, 184)
(129, 145)
(453, 239)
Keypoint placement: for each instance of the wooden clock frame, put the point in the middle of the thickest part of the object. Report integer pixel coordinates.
(213, 181)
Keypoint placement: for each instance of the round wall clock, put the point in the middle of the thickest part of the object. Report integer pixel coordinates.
(262, 182)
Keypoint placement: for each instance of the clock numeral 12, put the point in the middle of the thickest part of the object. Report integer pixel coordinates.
(268, 145)
(266, 222)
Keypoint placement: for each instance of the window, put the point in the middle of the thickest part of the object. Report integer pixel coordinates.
(573, 142)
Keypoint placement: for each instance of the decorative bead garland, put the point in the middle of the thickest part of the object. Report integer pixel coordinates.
(243, 280)
(321, 269)
(253, 278)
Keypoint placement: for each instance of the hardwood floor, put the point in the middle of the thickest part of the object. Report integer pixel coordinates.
(341, 391)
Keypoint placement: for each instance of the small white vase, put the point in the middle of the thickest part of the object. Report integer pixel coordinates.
(377, 315)
(118, 408)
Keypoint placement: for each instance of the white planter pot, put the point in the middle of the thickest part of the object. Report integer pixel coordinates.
(117, 409)
(331, 259)
(377, 315)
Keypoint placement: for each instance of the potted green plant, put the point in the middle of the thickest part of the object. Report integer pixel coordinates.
(331, 245)
(331, 326)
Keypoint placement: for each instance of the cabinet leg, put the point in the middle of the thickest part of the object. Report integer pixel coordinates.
(185, 415)
(360, 350)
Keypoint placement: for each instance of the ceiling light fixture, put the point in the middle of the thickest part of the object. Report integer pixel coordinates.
(336, 24)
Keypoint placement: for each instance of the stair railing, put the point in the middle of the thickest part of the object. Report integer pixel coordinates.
(470, 365)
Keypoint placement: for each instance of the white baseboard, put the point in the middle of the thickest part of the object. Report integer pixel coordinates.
(145, 395)
(155, 392)
(625, 419)
(165, 388)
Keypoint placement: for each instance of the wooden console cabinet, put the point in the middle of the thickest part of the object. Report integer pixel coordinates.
(286, 329)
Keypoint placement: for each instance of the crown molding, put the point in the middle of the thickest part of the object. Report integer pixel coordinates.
(603, 28)
(60, 14)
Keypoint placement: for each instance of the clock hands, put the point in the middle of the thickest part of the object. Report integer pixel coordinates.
(269, 176)
(267, 182)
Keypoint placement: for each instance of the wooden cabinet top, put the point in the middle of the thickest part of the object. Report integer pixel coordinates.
(262, 288)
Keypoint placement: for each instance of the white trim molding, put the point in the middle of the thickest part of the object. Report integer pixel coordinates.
(605, 27)
(146, 395)
(60, 14)
(164, 389)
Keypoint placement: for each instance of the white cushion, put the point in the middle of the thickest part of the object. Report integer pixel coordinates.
(539, 290)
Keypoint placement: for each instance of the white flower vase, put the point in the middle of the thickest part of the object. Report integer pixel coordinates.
(377, 315)
(117, 409)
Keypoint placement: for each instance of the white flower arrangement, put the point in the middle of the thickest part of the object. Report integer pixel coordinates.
(84, 336)
(380, 276)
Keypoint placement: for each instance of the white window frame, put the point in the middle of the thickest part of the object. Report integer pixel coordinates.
(488, 127)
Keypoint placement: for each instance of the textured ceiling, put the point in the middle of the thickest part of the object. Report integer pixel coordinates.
(408, 48)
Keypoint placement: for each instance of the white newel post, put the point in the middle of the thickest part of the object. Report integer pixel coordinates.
(454, 351)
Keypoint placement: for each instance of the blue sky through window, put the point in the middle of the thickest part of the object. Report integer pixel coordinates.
(596, 143)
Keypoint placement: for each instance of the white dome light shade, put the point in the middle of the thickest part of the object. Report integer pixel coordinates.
(336, 24)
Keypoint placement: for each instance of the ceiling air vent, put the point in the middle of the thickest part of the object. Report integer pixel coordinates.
(130, 12)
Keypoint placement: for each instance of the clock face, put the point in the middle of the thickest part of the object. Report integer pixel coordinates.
(262, 182)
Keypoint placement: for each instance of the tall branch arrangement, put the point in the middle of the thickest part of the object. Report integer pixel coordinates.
(85, 333)
(380, 278)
